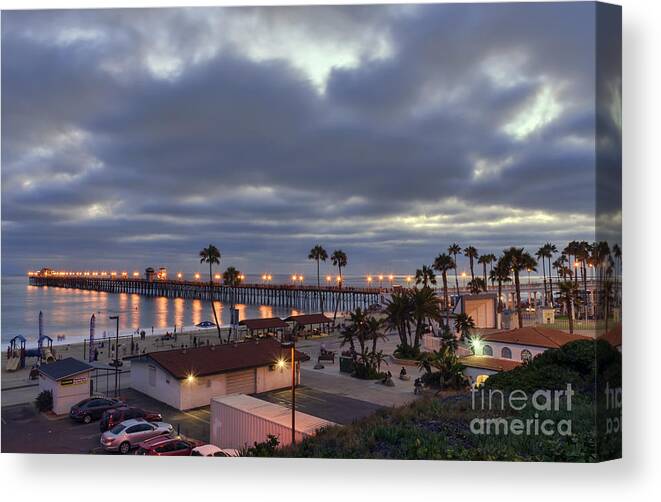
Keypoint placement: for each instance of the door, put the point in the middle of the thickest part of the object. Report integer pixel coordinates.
(241, 382)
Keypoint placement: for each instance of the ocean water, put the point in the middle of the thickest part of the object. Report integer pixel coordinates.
(68, 311)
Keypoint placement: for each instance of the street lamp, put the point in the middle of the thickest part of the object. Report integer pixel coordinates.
(116, 361)
(292, 345)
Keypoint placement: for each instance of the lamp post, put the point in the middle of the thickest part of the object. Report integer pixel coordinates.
(116, 361)
(292, 345)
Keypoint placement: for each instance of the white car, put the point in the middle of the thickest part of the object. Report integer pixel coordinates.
(127, 434)
(210, 450)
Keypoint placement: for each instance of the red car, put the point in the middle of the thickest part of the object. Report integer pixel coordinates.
(117, 415)
(167, 447)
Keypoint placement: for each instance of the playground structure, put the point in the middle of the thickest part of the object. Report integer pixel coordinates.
(17, 352)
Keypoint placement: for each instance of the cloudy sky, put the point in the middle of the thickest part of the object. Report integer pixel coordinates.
(135, 137)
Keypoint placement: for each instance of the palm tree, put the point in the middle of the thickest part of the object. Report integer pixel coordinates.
(454, 250)
(484, 260)
(569, 297)
(471, 253)
(231, 277)
(500, 274)
(541, 254)
(399, 314)
(450, 371)
(318, 254)
(572, 249)
(211, 255)
(617, 254)
(425, 276)
(464, 324)
(583, 253)
(476, 285)
(552, 249)
(339, 260)
(444, 263)
(518, 260)
(425, 307)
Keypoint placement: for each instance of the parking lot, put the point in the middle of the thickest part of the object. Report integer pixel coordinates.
(24, 430)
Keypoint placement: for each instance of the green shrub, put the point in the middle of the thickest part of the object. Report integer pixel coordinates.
(44, 401)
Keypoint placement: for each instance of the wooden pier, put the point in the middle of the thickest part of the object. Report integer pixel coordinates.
(306, 297)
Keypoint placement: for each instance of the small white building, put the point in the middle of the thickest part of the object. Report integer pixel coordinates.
(68, 380)
(479, 368)
(523, 343)
(190, 378)
(238, 421)
(481, 308)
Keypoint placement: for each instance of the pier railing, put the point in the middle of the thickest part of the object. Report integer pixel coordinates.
(287, 295)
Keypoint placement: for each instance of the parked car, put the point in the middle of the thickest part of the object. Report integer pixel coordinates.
(206, 324)
(114, 416)
(166, 447)
(210, 450)
(93, 408)
(128, 434)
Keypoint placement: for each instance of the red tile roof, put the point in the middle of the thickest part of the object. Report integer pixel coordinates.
(204, 361)
(489, 363)
(535, 336)
(614, 336)
(307, 319)
(266, 323)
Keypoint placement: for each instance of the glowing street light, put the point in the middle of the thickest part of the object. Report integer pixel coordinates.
(135, 274)
(197, 276)
(369, 279)
(329, 278)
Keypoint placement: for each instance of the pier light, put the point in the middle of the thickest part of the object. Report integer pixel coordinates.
(136, 274)
(125, 274)
(294, 277)
(338, 279)
(369, 278)
(391, 277)
(263, 277)
(217, 277)
(113, 274)
(463, 274)
(269, 277)
(329, 278)
(242, 277)
(380, 277)
(197, 276)
(576, 264)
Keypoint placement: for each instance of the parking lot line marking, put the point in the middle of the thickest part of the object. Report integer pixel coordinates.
(196, 418)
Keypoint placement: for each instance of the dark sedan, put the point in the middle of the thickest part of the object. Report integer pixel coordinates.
(114, 416)
(93, 408)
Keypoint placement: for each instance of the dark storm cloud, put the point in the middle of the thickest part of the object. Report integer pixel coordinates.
(136, 136)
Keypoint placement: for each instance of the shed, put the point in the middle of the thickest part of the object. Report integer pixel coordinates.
(265, 326)
(68, 380)
(189, 378)
(239, 420)
(307, 321)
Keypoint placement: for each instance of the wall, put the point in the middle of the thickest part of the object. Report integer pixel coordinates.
(199, 392)
(276, 379)
(166, 389)
(482, 310)
(473, 373)
(516, 349)
(65, 396)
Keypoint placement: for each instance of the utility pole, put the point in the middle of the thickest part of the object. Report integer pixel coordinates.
(116, 361)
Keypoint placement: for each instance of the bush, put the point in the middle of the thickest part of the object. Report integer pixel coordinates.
(365, 371)
(44, 401)
(575, 363)
(264, 449)
(406, 352)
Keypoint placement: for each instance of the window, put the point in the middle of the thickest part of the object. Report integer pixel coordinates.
(506, 353)
(526, 355)
(487, 350)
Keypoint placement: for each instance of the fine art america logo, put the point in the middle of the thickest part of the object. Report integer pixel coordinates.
(541, 401)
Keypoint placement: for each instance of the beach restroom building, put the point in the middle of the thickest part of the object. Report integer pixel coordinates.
(190, 378)
(68, 380)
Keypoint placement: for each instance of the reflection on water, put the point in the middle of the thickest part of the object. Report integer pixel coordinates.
(68, 311)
